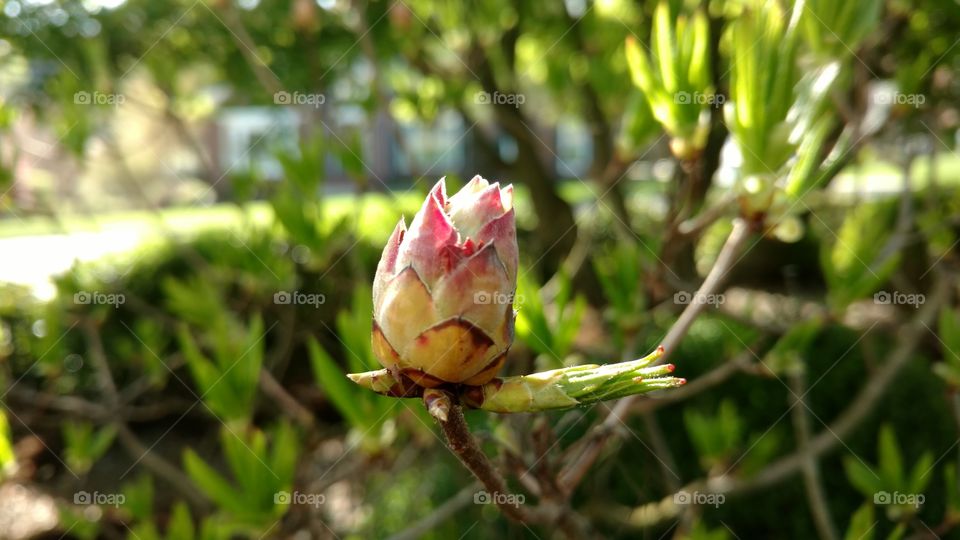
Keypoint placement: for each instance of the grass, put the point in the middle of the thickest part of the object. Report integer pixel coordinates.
(373, 209)
(377, 212)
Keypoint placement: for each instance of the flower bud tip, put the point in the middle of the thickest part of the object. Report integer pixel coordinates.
(670, 368)
(660, 350)
(681, 381)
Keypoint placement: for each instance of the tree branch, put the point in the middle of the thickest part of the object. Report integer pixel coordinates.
(462, 443)
(293, 408)
(128, 439)
(819, 508)
(825, 441)
(574, 472)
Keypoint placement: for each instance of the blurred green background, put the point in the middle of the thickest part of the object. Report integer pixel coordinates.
(194, 196)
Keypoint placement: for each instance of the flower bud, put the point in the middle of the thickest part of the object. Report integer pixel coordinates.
(443, 292)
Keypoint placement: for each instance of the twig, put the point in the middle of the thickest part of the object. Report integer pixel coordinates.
(159, 466)
(868, 396)
(462, 443)
(247, 47)
(128, 439)
(816, 496)
(443, 512)
(574, 472)
(725, 260)
(662, 451)
(77, 406)
(696, 224)
(288, 403)
(825, 441)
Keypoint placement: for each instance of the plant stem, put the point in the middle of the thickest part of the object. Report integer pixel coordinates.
(825, 441)
(819, 508)
(289, 404)
(126, 436)
(462, 443)
(728, 257)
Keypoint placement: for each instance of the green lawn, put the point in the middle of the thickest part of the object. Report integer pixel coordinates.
(378, 213)
(373, 209)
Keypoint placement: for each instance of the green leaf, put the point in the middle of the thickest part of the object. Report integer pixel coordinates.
(863, 478)
(862, 524)
(952, 491)
(675, 76)
(353, 327)
(787, 354)
(890, 461)
(330, 377)
(214, 486)
(284, 454)
(143, 531)
(715, 436)
(663, 44)
(101, 441)
(245, 458)
(859, 260)
(180, 526)
(949, 332)
(139, 498)
(921, 474)
(85, 445)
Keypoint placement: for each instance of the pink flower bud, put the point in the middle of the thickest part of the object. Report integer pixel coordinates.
(443, 293)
